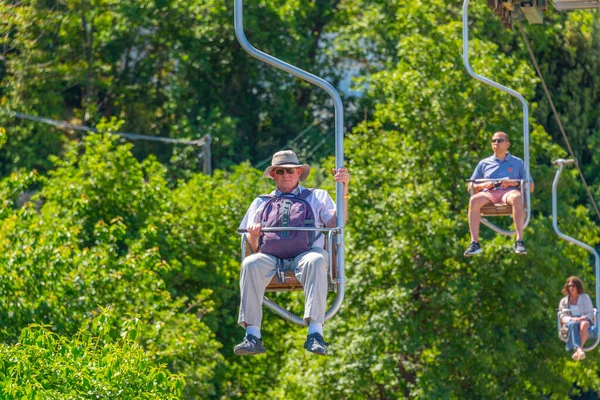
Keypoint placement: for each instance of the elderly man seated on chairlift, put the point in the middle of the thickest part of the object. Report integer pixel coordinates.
(508, 170)
(308, 260)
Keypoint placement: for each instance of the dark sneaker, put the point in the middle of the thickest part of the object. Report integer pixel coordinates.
(520, 247)
(474, 248)
(251, 345)
(315, 344)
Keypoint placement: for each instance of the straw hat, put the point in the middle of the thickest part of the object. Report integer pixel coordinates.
(287, 159)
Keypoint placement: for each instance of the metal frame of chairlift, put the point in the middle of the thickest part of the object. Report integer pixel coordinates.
(525, 186)
(336, 234)
(533, 10)
(561, 163)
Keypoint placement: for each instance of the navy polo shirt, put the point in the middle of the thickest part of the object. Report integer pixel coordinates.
(493, 168)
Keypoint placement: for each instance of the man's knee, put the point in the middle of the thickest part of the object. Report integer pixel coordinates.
(515, 199)
(253, 262)
(477, 201)
(585, 325)
(316, 259)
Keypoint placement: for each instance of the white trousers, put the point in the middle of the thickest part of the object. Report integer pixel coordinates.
(258, 269)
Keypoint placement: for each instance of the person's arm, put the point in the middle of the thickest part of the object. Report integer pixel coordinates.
(254, 233)
(589, 309)
(563, 309)
(248, 223)
(341, 175)
(478, 187)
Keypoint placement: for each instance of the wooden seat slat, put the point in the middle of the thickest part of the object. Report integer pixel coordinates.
(291, 284)
(496, 209)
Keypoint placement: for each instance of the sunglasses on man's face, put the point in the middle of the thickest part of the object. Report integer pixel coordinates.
(498, 140)
(289, 171)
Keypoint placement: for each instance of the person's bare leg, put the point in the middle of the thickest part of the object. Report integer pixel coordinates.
(475, 203)
(515, 200)
(584, 331)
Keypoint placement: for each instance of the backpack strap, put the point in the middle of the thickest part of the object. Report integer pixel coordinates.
(313, 236)
(305, 193)
(280, 271)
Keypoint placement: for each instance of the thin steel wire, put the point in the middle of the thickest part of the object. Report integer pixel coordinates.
(83, 128)
(291, 142)
(557, 117)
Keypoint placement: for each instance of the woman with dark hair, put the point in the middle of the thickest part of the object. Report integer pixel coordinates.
(576, 315)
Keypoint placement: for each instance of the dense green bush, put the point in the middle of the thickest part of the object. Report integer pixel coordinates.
(91, 364)
(84, 249)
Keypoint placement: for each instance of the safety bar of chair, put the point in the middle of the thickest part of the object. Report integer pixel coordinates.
(496, 181)
(527, 194)
(294, 229)
(238, 11)
(561, 163)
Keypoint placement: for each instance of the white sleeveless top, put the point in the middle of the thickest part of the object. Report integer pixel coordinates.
(575, 311)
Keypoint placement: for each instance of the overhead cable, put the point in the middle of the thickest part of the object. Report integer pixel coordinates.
(291, 142)
(557, 117)
(132, 136)
(312, 151)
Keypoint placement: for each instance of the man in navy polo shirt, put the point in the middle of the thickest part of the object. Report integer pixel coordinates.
(502, 165)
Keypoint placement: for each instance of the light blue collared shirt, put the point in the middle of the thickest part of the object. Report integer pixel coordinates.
(493, 168)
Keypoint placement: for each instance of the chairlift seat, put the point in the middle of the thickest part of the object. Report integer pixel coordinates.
(499, 209)
(593, 331)
(496, 209)
(291, 284)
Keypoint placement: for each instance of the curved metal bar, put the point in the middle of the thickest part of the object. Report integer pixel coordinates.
(527, 193)
(283, 313)
(559, 325)
(238, 11)
(561, 163)
(330, 239)
(496, 228)
(294, 228)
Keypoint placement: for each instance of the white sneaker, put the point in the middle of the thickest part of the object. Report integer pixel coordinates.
(579, 355)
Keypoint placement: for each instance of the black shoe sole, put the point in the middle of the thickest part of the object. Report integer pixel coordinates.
(471, 254)
(244, 352)
(317, 353)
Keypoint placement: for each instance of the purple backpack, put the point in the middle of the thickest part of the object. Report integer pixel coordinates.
(287, 210)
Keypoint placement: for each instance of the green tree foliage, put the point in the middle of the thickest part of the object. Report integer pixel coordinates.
(44, 365)
(83, 249)
(167, 68)
(567, 49)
